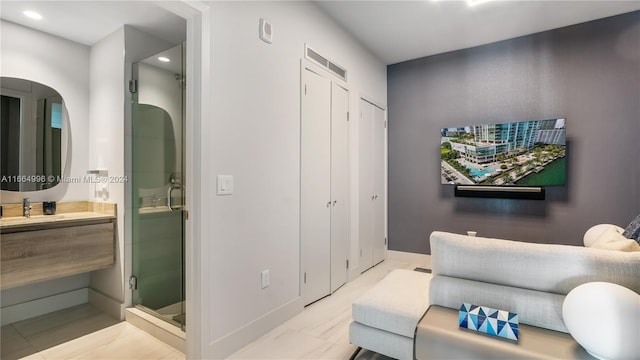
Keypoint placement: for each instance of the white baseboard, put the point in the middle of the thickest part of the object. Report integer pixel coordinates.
(423, 260)
(106, 304)
(33, 308)
(230, 343)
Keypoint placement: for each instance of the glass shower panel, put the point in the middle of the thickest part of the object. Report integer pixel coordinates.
(157, 191)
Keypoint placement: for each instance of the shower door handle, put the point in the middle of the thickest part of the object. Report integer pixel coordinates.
(171, 188)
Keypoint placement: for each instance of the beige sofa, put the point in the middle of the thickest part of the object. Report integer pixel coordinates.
(529, 279)
(526, 278)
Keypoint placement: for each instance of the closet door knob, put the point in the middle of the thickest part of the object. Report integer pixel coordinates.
(329, 204)
(335, 202)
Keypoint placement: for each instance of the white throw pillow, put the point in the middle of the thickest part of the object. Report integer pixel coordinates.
(623, 245)
(610, 239)
(603, 318)
(593, 234)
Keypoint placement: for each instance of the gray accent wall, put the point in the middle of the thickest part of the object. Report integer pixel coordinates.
(587, 73)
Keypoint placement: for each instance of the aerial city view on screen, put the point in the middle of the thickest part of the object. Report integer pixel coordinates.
(523, 153)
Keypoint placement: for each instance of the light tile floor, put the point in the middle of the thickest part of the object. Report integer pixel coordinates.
(321, 331)
(80, 332)
(120, 341)
(30, 336)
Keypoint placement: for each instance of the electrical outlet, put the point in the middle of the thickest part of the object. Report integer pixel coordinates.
(265, 278)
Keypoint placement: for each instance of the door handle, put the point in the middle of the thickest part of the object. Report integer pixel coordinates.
(171, 188)
(335, 202)
(373, 197)
(329, 204)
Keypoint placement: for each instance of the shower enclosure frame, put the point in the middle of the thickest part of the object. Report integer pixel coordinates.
(157, 281)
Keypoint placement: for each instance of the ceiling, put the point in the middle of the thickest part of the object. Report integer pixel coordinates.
(397, 31)
(88, 22)
(394, 31)
(173, 65)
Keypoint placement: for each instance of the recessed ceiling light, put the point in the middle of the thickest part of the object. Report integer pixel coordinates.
(32, 15)
(164, 59)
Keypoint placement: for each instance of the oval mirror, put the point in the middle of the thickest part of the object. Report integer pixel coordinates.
(34, 135)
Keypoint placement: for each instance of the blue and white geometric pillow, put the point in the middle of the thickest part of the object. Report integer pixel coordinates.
(489, 321)
(633, 230)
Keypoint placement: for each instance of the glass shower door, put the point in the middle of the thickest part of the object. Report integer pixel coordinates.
(157, 191)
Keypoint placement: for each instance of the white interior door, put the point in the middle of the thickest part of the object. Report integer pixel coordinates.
(339, 184)
(378, 177)
(366, 194)
(315, 197)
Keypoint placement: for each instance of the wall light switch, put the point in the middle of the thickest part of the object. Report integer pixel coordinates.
(225, 185)
(266, 31)
(265, 278)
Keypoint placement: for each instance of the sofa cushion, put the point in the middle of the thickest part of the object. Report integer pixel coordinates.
(396, 303)
(633, 230)
(537, 308)
(543, 267)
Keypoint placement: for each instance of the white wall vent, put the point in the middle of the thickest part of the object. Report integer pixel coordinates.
(327, 64)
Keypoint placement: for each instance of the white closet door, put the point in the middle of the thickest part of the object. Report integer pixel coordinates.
(315, 197)
(339, 185)
(366, 194)
(377, 177)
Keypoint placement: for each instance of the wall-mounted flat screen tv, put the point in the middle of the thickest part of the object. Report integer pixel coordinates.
(523, 153)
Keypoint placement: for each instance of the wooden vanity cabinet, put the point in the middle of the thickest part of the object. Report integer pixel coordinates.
(46, 251)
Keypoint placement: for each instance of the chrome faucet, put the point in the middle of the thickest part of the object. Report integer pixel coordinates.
(26, 207)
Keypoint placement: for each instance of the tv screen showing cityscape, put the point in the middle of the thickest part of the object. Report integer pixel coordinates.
(522, 153)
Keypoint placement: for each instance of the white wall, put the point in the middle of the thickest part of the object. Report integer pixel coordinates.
(254, 135)
(106, 149)
(64, 66)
